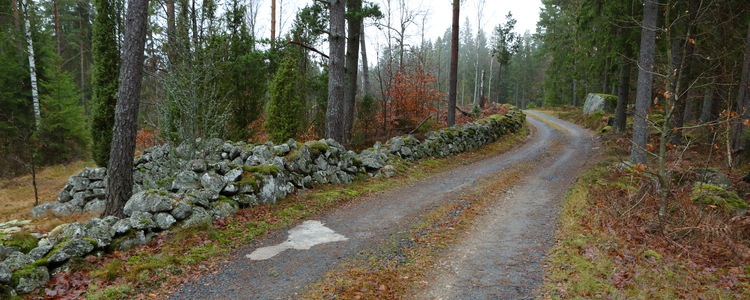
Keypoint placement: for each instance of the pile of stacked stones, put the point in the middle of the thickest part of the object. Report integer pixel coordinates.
(180, 187)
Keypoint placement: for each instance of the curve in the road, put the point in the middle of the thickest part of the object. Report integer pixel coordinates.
(366, 223)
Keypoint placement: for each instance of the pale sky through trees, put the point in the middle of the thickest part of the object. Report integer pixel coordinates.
(438, 20)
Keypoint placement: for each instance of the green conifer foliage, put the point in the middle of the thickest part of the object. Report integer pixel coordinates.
(285, 116)
(106, 72)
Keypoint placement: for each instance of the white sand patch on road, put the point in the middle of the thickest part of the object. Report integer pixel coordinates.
(302, 237)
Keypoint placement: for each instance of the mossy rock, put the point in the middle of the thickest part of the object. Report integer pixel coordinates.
(710, 194)
(606, 129)
(23, 240)
(264, 170)
(316, 148)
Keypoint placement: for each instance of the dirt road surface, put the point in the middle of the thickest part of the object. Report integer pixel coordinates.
(500, 259)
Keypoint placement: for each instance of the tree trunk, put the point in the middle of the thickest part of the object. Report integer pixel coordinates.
(489, 83)
(367, 89)
(273, 22)
(622, 96)
(353, 7)
(83, 76)
(683, 60)
(32, 67)
(607, 66)
(708, 101)
(454, 65)
(335, 111)
(171, 32)
(575, 82)
(481, 91)
(743, 101)
(645, 82)
(126, 114)
(18, 29)
(689, 103)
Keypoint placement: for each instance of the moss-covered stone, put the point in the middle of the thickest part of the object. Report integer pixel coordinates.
(710, 194)
(23, 240)
(316, 148)
(264, 170)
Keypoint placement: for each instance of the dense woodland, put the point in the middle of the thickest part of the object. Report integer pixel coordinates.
(208, 73)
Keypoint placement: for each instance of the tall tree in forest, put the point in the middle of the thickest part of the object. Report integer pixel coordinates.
(506, 42)
(126, 114)
(337, 41)
(743, 101)
(453, 81)
(645, 81)
(32, 66)
(105, 82)
(286, 110)
(366, 87)
(355, 14)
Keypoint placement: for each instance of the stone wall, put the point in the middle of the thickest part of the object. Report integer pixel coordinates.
(178, 187)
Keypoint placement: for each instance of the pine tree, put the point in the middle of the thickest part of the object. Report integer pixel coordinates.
(105, 82)
(285, 117)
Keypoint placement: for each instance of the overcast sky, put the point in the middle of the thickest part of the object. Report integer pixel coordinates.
(437, 17)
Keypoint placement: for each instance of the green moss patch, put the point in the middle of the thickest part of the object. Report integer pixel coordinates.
(23, 240)
(710, 194)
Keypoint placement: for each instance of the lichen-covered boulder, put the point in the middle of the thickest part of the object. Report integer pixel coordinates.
(152, 201)
(122, 226)
(100, 231)
(29, 279)
(600, 102)
(43, 208)
(714, 177)
(72, 248)
(233, 175)
(224, 208)
(372, 159)
(164, 220)
(213, 182)
(245, 200)
(65, 209)
(187, 180)
(18, 260)
(5, 274)
(95, 206)
(40, 251)
(134, 237)
(181, 210)
(198, 217)
(715, 195)
(141, 220)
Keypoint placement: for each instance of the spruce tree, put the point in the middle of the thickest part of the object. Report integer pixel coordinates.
(285, 116)
(105, 82)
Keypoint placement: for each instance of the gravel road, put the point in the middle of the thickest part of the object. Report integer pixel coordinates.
(501, 259)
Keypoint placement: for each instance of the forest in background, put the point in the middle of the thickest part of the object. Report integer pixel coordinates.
(207, 75)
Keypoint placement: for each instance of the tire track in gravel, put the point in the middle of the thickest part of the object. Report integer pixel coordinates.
(365, 222)
(502, 256)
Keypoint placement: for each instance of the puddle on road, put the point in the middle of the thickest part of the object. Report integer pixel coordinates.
(302, 237)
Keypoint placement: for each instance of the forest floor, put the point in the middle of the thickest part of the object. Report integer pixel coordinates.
(610, 244)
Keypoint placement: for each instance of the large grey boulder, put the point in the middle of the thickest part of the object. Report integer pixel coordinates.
(372, 159)
(5, 274)
(141, 220)
(18, 260)
(198, 217)
(600, 102)
(164, 220)
(181, 210)
(65, 209)
(147, 201)
(95, 206)
(128, 241)
(29, 280)
(100, 231)
(213, 182)
(40, 251)
(245, 199)
(224, 209)
(187, 180)
(122, 226)
(70, 231)
(69, 249)
(43, 208)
